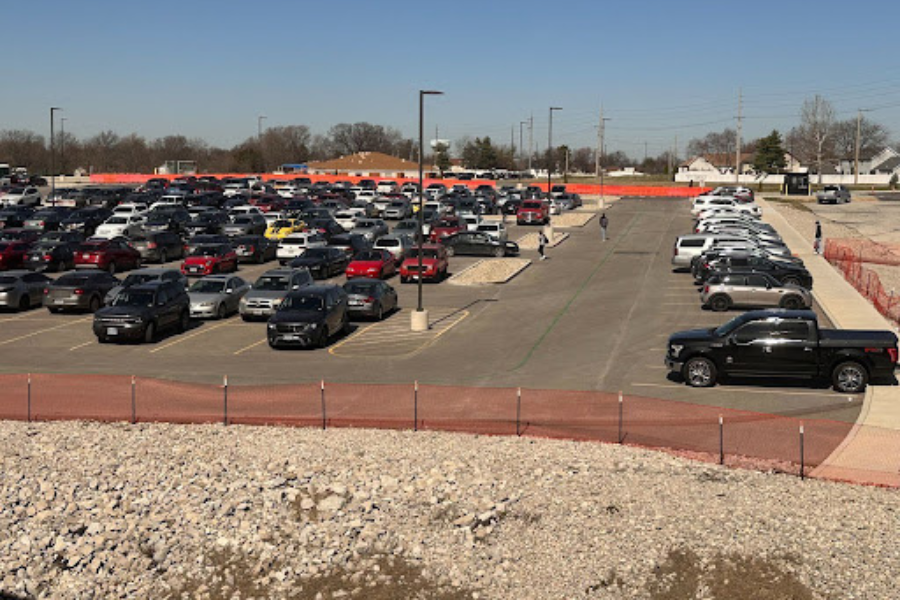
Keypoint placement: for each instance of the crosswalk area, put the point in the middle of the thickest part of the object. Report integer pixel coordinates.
(393, 337)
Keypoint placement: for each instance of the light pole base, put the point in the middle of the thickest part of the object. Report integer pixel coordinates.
(419, 320)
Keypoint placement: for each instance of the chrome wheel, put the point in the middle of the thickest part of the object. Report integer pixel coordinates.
(850, 378)
(700, 372)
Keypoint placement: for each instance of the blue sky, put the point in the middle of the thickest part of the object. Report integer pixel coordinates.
(661, 68)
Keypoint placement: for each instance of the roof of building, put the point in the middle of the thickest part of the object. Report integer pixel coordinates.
(365, 161)
(889, 165)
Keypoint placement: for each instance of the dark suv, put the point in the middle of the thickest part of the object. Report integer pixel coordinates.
(140, 312)
(786, 272)
(309, 317)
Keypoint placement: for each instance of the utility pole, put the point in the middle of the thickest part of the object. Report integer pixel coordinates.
(598, 166)
(859, 113)
(530, 140)
(737, 150)
(645, 152)
(521, 147)
(62, 145)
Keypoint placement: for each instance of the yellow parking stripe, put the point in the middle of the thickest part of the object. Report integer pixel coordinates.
(40, 331)
(184, 338)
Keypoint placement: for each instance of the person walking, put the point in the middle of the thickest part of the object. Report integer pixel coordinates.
(604, 223)
(817, 245)
(542, 241)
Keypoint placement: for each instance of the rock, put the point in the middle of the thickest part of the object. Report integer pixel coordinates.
(332, 503)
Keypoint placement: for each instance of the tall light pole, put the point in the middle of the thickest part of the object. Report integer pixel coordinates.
(550, 148)
(259, 121)
(859, 113)
(53, 109)
(62, 144)
(419, 319)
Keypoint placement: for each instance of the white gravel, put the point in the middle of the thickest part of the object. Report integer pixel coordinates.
(490, 270)
(157, 511)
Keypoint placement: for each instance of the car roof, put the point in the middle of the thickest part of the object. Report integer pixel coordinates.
(150, 286)
(280, 272)
(154, 271)
(219, 277)
(316, 290)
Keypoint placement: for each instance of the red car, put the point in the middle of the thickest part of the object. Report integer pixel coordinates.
(446, 226)
(108, 255)
(12, 254)
(533, 211)
(434, 264)
(374, 264)
(269, 203)
(207, 259)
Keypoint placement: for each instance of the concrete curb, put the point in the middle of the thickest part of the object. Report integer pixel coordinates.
(522, 267)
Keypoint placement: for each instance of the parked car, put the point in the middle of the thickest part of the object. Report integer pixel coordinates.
(78, 290)
(13, 254)
(532, 212)
(375, 264)
(446, 226)
(21, 290)
(435, 264)
(86, 220)
(51, 256)
(14, 216)
(350, 243)
(833, 194)
(782, 344)
(370, 298)
(397, 244)
(322, 262)
(249, 224)
(398, 209)
(142, 311)
(786, 272)
(723, 291)
(47, 219)
(173, 219)
(120, 226)
(270, 289)
(474, 243)
(294, 245)
(142, 276)
(309, 317)
(158, 247)
(18, 234)
(209, 222)
(24, 196)
(108, 255)
(284, 227)
(217, 296)
(371, 229)
(495, 229)
(209, 259)
(70, 237)
(204, 239)
(688, 246)
(254, 248)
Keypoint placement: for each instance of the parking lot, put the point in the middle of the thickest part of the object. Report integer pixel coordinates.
(594, 316)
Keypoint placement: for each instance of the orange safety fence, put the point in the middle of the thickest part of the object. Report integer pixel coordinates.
(740, 438)
(575, 188)
(850, 255)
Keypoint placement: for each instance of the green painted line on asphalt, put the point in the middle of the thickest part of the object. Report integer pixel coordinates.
(584, 284)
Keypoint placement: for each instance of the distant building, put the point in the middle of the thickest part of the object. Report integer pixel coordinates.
(367, 164)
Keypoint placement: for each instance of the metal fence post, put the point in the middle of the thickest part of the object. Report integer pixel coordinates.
(225, 399)
(621, 404)
(133, 406)
(29, 397)
(322, 388)
(802, 458)
(416, 407)
(721, 441)
(518, 412)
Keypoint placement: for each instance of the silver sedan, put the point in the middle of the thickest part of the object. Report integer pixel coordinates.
(22, 290)
(216, 296)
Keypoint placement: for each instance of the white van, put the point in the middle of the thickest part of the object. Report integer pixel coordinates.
(293, 245)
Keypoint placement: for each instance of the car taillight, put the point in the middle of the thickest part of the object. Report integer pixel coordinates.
(705, 289)
(79, 292)
(48, 257)
(370, 299)
(46, 291)
(151, 245)
(892, 352)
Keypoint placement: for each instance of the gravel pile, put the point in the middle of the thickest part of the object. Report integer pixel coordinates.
(492, 270)
(167, 511)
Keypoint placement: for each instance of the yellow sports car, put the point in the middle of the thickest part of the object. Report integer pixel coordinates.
(284, 227)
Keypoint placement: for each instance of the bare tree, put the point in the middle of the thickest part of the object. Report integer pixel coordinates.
(364, 137)
(873, 137)
(722, 142)
(24, 148)
(816, 127)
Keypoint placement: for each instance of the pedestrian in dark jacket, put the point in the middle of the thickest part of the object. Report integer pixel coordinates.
(817, 245)
(604, 223)
(542, 241)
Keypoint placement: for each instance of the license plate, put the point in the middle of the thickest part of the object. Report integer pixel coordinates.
(355, 303)
(195, 269)
(85, 255)
(291, 338)
(112, 331)
(59, 301)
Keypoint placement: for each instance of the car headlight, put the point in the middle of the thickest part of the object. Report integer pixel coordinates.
(271, 326)
(675, 349)
(243, 302)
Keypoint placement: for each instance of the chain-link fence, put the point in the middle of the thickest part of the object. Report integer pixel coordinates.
(727, 436)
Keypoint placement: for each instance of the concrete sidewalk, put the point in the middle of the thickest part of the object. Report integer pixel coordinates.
(870, 454)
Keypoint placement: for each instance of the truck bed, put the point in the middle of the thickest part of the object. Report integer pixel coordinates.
(858, 338)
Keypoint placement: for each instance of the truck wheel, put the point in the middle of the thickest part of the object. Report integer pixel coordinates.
(699, 372)
(720, 303)
(850, 377)
(184, 322)
(451, 251)
(791, 281)
(150, 333)
(791, 302)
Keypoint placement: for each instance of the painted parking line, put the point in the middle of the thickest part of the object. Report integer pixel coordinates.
(82, 345)
(28, 315)
(743, 390)
(251, 346)
(394, 338)
(47, 330)
(184, 338)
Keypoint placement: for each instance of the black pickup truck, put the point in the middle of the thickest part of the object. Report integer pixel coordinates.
(782, 343)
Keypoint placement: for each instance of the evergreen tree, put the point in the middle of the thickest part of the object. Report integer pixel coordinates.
(769, 154)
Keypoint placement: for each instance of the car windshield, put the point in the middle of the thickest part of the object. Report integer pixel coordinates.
(91, 247)
(531, 205)
(447, 223)
(134, 298)
(361, 288)
(730, 326)
(117, 221)
(365, 224)
(206, 251)
(281, 223)
(407, 225)
(387, 243)
(206, 286)
(271, 283)
(426, 253)
(4, 280)
(376, 256)
(314, 253)
(302, 303)
(136, 278)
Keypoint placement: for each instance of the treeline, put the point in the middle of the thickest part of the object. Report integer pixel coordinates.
(110, 152)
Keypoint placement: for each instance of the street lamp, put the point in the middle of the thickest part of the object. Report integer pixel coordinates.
(550, 148)
(259, 121)
(419, 319)
(53, 109)
(62, 144)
